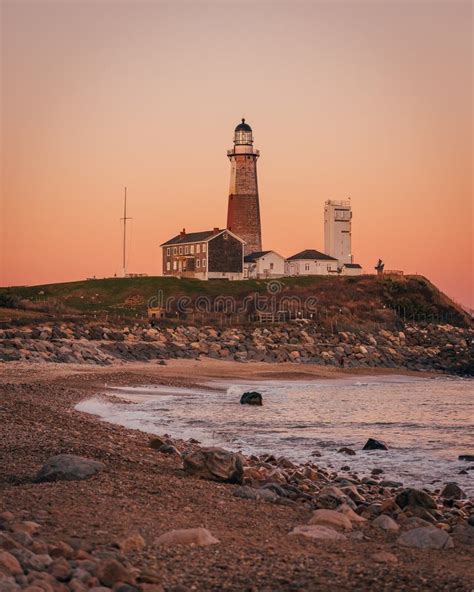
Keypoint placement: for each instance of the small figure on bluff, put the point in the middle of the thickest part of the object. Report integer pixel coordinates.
(243, 213)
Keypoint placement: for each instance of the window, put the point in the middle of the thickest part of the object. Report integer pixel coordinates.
(204, 247)
(168, 266)
(175, 265)
(168, 251)
(225, 236)
(204, 263)
(198, 248)
(180, 250)
(306, 266)
(175, 250)
(191, 249)
(198, 263)
(271, 265)
(186, 250)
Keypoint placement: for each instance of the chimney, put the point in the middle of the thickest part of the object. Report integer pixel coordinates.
(215, 230)
(183, 232)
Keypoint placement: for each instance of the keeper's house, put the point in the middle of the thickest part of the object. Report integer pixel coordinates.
(209, 255)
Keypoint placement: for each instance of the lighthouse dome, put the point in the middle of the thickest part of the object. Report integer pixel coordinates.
(243, 134)
(243, 127)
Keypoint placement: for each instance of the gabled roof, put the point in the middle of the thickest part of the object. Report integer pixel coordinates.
(311, 254)
(189, 237)
(251, 257)
(195, 237)
(353, 265)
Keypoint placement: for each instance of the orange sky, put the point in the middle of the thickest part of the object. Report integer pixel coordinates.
(371, 100)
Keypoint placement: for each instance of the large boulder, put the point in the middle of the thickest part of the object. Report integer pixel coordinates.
(427, 537)
(452, 491)
(464, 533)
(373, 444)
(110, 572)
(331, 497)
(68, 467)
(215, 464)
(251, 398)
(415, 498)
(331, 519)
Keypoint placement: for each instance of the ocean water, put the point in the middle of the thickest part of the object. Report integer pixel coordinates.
(426, 423)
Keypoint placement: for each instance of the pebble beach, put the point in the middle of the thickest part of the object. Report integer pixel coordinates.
(151, 513)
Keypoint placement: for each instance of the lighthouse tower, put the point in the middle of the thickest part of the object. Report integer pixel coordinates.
(243, 213)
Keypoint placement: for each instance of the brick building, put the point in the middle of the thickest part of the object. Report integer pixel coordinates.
(211, 254)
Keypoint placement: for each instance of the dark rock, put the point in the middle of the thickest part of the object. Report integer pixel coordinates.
(158, 442)
(373, 444)
(452, 491)
(31, 561)
(168, 449)
(331, 497)
(470, 520)
(415, 498)
(464, 533)
(389, 483)
(275, 488)
(251, 398)
(215, 464)
(346, 450)
(468, 457)
(250, 493)
(68, 467)
(125, 588)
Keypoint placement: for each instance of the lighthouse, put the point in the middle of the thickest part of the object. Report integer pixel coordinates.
(243, 213)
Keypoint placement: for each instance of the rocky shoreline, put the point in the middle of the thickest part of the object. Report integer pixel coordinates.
(418, 347)
(154, 515)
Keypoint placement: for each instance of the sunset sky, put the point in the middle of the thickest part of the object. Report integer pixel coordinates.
(371, 100)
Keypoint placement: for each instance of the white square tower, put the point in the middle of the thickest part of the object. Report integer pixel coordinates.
(337, 230)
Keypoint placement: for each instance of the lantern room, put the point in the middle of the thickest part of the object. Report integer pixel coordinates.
(243, 134)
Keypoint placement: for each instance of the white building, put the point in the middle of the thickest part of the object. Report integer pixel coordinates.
(337, 230)
(263, 264)
(351, 269)
(311, 262)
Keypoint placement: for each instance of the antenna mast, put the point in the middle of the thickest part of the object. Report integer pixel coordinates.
(124, 264)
